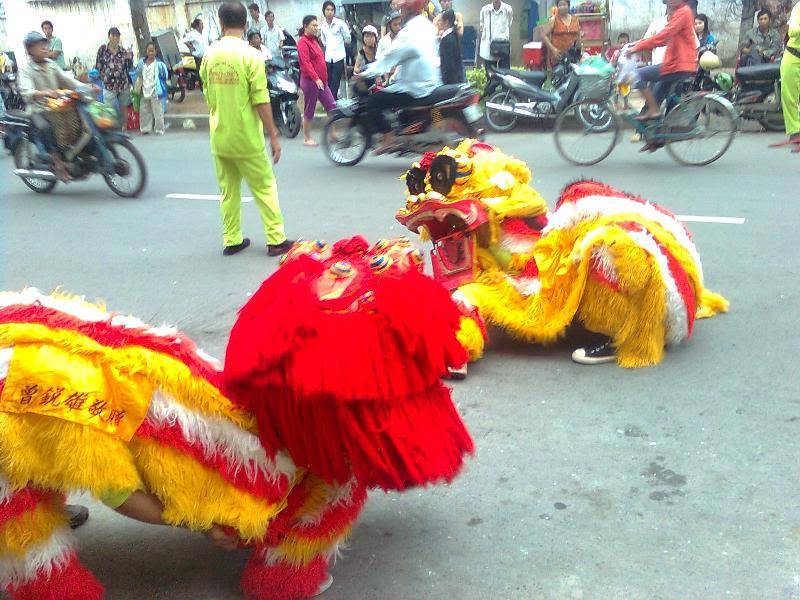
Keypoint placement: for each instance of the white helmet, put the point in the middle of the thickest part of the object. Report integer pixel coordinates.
(709, 61)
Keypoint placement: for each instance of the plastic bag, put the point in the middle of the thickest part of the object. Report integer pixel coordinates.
(594, 65)
(627, 72)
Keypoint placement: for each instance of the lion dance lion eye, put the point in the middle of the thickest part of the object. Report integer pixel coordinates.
(442, 174)
(341, 268)
(380, 263)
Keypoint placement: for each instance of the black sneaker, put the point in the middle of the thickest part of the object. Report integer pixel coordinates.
(229, 250)
(595, 355)
(278, 249)
(78, 515)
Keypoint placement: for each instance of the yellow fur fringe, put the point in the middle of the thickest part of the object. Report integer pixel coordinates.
(471, 338)
(30, 528)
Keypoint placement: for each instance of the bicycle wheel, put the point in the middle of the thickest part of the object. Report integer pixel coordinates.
(698, 130)
(583, 141)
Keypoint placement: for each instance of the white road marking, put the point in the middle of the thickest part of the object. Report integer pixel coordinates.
(699, 219)
(687, 218)
(216, 197)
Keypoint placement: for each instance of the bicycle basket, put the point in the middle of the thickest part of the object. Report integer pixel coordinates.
(66, 123)
(594, 86)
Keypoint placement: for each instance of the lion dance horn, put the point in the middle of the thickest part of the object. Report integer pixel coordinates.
(340, 355)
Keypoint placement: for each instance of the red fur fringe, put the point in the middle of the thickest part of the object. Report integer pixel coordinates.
(282, 581)
(73, 582)
(21, 502)
(352, 392)
(685, 288)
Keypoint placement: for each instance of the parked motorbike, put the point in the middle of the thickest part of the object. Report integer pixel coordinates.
(12, 99)
(190, 73)
(96, 145)
(292, 60)
(755, 91)
(176, 85)
(447, 116)
(516, 93)
(283, 97)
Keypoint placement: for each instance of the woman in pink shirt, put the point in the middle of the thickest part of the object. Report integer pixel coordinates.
(680, 58)
(313, 75)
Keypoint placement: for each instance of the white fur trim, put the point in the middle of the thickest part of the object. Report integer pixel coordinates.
(5, 361)
(40, 560)
(216, 435)
(5, 490)
(527, 286)
(459, 296)
(571, 213)
(602, 258)
(517, 244)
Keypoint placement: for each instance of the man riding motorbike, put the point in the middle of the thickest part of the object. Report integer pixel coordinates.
(41, 78)
(415, 48)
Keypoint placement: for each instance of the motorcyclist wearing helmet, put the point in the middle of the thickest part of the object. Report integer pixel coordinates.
(41, 78)
(415, 50)
(369, 49)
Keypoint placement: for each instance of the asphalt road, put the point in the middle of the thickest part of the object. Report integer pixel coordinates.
(676, 481)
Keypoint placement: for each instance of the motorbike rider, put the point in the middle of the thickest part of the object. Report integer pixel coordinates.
(41, 78)
(415, 50)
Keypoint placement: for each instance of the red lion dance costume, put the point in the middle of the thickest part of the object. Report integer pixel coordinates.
(280, 448)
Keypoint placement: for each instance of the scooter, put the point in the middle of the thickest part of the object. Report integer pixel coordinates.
(450, 114)
(96, 145)
(283, 97)
(515, 93)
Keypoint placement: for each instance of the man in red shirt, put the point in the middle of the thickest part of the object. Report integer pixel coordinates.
(680, 58)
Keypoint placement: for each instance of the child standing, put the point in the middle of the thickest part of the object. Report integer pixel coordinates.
(151, 83)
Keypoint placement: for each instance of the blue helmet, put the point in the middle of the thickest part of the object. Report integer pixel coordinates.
(33, 37)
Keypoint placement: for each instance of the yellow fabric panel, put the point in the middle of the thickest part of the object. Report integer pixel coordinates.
(195, 496)
(49, 380)
(63, 456)
(32, 527)
(162, 370)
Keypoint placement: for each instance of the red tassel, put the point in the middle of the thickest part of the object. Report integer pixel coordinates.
(352, 391)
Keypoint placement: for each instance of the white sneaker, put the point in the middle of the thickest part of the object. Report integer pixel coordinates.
(457, 373)
(323, 587)
(596, 355)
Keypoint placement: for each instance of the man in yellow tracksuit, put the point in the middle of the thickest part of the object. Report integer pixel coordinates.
(235, 87)
(790, 79)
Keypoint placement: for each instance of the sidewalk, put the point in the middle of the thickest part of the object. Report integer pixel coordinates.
(192, 113)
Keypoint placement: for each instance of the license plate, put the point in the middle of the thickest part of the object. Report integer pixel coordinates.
(473, 112)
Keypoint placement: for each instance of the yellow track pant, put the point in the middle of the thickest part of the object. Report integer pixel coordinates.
(790, 93)
(257, 172)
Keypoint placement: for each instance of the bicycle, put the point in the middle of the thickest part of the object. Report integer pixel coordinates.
(696, 129)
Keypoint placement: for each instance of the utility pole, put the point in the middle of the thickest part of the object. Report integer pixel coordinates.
(141, 29)
(746, 24)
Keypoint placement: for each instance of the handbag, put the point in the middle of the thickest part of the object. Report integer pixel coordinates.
(498, 48)
(138, 84)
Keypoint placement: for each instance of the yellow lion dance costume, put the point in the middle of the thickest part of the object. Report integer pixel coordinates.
(619, 265)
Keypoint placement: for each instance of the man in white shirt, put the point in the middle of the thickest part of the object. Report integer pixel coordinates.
(415, 49)
(272, 37)
(335, 34)
(495, 25)
(197, 42)
(255, 22)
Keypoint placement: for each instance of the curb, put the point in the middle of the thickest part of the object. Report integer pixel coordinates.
(200, 121)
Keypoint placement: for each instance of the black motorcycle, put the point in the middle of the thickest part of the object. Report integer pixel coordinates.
(283, 97)
(97, 145)
(450, 114)
(755, 92)
(512, 94)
